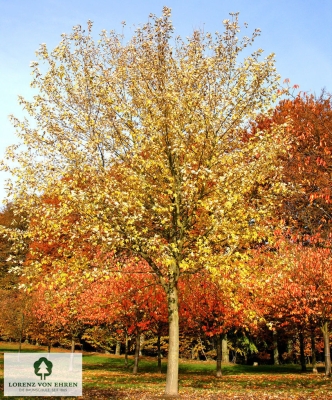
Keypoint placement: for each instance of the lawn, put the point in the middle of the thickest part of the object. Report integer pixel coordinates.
(106, 377)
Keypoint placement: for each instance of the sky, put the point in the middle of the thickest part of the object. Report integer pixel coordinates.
(299, 32)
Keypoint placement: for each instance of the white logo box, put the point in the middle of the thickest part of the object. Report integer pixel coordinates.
(42, 374)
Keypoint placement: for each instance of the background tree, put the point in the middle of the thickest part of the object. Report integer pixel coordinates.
(130, 299)
(211, 308)
(296, 294)
(307, 166)
(12, 225)
(16, 315)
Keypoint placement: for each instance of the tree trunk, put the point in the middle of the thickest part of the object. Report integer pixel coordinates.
(234, 357)
(126, 351)
(219, 355)
(73, 345)
(327, 354)
(159, 354)
(290, 349)
(275, 348)
(172, 375)
(48, 346)
(302, 356)
(313, 353)
(142, 339)
(20, 344)
(21, 333)
(72, 354)
(193, 351)
(118, 348)
(225, 351)
(137, 346)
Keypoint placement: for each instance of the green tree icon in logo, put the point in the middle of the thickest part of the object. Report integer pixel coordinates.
(43, 367)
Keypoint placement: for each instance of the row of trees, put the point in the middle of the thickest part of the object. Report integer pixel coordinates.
(124, 306)
(159, 183)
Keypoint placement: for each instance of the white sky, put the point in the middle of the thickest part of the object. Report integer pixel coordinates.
(298, 31)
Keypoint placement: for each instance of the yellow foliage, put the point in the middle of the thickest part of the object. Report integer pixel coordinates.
(145, 141)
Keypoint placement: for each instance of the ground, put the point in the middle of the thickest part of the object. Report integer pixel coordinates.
(105, 376)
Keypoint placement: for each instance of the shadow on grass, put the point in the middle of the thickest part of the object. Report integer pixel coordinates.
(95, 363)
(238, 369)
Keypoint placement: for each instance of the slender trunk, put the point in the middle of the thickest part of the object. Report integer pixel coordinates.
(302, 356)
(219, 355)
(275, 348)
(327, 354)
(118, 348)
(137, 347)
(73, 345)
(71, 362)
(313, 353)
(290, 349)
(48, 346)
(193, 352)
(172, 375)
(141, 346)
(21, 333)
(126, 351)
(225, 351)
(202, 347)
(159, 353)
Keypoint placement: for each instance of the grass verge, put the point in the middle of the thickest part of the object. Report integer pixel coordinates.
(106, 377)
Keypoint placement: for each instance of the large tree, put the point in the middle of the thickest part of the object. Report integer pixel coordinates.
(142, 144)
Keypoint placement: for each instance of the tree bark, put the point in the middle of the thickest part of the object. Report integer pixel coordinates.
(126, 351)
(327, 353)
(313, 353)
(193, 352)
(302, 356)
(21, 333)
(72, 354)
(290, 349)
(73, 345)
(159, 353)
(219, 355)
(225, 351)
(275, 348)
(142, 339)
(137, 348)
(118, 348)
(173, 344)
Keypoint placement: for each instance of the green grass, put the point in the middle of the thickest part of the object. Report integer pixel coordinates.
(106, 377)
